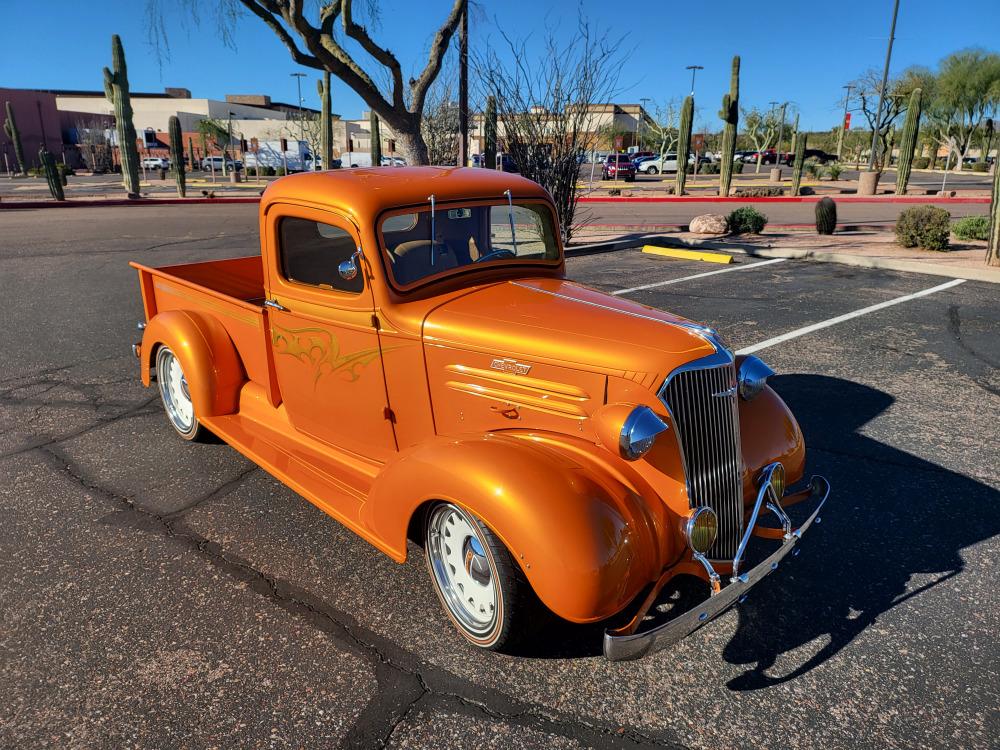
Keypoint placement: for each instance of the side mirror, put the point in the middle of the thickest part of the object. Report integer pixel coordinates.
(348, 269)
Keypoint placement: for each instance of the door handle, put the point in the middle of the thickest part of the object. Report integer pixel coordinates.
(275, 305)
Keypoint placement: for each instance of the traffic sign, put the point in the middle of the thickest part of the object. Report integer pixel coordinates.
(619, 142)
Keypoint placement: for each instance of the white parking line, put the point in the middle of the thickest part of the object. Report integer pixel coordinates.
(847, 316)
(741, 267)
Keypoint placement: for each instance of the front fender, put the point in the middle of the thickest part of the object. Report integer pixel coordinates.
(207, 356)
(769, 432)
(585, 539)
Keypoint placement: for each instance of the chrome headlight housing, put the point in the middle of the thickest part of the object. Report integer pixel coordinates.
(752, 377)
(638, 433)
(700, 529)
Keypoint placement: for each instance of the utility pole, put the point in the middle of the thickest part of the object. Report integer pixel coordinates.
(298, 82)
(694, 69)
(463, 88)
(642, 108)
(843, 121)
(881, 92)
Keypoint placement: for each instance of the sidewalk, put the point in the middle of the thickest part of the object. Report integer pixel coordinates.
(870, 248)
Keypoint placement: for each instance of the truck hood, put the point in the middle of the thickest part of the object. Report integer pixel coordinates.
(564, 323)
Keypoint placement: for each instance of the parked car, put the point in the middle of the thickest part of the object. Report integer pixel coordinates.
(667, 164)
(642, 159)
(155, 162)
(546, 443)
(618, 167)
(636, 156)
(812, 153)
(209, 163)
(393, 161)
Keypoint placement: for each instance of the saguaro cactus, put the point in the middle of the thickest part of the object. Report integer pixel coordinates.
(376, 143)
(191, 152)
(993, 248)
(10, 128)
(326, 121)
(826, 216)
(116, 91)
(730, 115)
(52, 176)
(684, 143)
(490, 134)
(799, 146)
(908, 143)
(177, 154)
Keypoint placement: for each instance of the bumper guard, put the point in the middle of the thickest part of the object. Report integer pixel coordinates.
(622, 645)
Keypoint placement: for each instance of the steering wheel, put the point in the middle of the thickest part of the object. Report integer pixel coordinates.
(496, 254)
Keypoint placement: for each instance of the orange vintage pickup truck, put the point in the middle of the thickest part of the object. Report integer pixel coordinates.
(407, 354)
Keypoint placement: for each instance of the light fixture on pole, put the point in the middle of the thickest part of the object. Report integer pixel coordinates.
(694, 70)
(229, 143)
(298, 82)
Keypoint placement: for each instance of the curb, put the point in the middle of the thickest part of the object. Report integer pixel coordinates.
(98, 203)
(783, 199)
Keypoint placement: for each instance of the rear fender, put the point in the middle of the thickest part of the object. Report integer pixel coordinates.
(207, 356)
(586, 541)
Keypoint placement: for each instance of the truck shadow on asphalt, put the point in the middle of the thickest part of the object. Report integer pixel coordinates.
(894, 528)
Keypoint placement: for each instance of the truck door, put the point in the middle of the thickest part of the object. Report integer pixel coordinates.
(327, 355)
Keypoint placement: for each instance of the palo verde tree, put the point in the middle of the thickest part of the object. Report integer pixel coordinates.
(329, 36)
(761, 130)
(965, 91)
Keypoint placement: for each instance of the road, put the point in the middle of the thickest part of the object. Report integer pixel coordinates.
(155, 593)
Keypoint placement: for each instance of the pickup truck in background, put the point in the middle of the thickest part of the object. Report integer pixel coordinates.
(406, 353)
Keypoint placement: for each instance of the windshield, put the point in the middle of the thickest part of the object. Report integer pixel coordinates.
(491, 235)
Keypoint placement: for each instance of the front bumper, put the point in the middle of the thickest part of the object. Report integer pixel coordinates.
(622, 647)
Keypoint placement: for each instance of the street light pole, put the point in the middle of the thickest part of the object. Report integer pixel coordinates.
(843, 121)
(881, 91)
(229, 143)
(642, 108)
(694, 69)
(298, 82)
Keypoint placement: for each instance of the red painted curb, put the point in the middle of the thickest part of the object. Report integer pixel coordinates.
(124, 202)
(783, 199)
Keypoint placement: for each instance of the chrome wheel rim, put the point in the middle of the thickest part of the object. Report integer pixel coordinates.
(462, 569)
(175, 392)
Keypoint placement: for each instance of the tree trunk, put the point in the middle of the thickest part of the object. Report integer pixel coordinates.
(413, 147)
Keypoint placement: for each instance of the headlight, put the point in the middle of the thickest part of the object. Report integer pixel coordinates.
(639, 431)
(777, 479)
(700, 529)
(752, 377)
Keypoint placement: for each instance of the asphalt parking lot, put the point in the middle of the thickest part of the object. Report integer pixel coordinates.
(159, 594)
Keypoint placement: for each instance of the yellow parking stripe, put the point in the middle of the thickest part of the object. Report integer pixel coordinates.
(670, 252)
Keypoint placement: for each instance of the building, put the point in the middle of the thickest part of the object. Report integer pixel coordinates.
(41, 122)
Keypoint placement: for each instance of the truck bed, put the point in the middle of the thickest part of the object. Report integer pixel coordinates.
(231, 291)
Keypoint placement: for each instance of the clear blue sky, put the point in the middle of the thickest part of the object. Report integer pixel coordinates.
(800, 50)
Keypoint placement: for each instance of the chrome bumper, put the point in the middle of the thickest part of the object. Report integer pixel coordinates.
(636, 645)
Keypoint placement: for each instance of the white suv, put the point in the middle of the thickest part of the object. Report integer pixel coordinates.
(155, 162)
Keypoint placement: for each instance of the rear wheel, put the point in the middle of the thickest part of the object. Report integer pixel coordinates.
(482, 589)
(176, 396)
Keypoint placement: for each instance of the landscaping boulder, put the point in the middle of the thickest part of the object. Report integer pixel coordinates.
(708, 224)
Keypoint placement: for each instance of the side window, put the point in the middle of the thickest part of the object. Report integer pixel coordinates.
(310, 252)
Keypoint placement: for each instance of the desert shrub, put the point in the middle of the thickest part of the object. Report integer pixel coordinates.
(972, 228)
(280, 172)
(746, 220)
(251, 171)
(980, 166)
(737, 167)
(834, 171)
(921, 162)
(709, 168)
(813, 169)
(924, 226)
(759, 192)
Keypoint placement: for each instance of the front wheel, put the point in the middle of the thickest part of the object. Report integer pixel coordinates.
(652, 170)
(176, 396)
(481, 587)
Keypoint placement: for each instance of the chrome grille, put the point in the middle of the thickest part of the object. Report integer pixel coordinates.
(702, 402)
